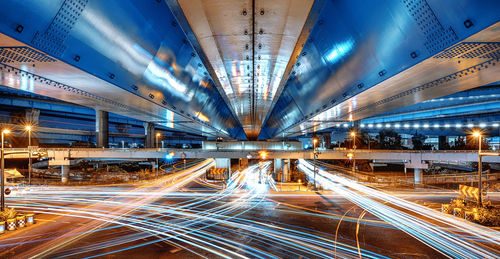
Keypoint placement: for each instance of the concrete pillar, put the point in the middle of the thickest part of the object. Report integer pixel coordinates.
(278, 166)
(101, 128)
(64, 173)
(149, 134)
(418, 175)
(286, 171)
(442, 142)
(289, 168)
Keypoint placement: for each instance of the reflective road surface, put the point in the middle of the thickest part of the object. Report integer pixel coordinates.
(182, 215)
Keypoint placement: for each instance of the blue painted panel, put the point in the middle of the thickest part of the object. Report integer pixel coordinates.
(132, 44)
(357, 44)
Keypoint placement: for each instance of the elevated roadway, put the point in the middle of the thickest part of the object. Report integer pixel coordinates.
(410, 156)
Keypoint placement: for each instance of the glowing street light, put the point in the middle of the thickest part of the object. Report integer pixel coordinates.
(263, 154)
(315, 141)
(353, 136)
(479, 166)
(2, 171)
(29, 128)
(157, 136)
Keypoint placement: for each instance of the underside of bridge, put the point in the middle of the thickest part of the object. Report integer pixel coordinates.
(250, 128)
(257, 69)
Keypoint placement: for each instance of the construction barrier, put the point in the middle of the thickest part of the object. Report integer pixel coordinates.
(469, 215)
(21, 221)
(11, 224)
(467, 191)
(217, 174)
(446, 208)
(458, 212)
(30, 219)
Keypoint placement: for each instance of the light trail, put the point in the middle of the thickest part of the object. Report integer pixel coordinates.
(200, 223)
(447, 243)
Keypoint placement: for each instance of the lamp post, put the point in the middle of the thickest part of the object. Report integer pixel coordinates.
(158, 135)
(28, 128)
(479, 167)
(315, 140)
(353, 135)
(2, 201)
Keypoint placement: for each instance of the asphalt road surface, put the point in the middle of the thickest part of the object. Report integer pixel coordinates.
(184, 216)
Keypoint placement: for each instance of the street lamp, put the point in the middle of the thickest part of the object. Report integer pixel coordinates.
(158, 135)
(2, 201)
(479, 166)
(28, 128)
(315, 141)
(353, 136)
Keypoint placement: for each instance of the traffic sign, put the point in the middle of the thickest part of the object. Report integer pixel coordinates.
(468, 191)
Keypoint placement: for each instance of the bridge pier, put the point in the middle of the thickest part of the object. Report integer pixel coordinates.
(418, 175)
(442, 142)
(278, 167)
(149, 133)
(64, 173)
(286, 171)
(101, 128)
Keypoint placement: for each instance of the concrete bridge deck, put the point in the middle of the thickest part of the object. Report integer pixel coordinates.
(409, 156)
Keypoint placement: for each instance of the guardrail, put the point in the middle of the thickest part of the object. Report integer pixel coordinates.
(413, 157)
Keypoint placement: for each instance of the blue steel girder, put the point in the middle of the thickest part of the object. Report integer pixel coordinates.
(483, 100)
(455, 114)
(368, 57)
(476, 95)
(134, 45)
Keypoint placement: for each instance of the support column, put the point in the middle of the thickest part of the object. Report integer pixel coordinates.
(101, 128)
(442, 142)
(149, 134)
(64, 173)
(286, 174)
(278, 166)
(418, 175)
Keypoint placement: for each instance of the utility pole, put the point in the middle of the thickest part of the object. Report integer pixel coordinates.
(28, 128)
(480, 168)
(157, 162)
(353, 135)
(2, 200)
(315, 140)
